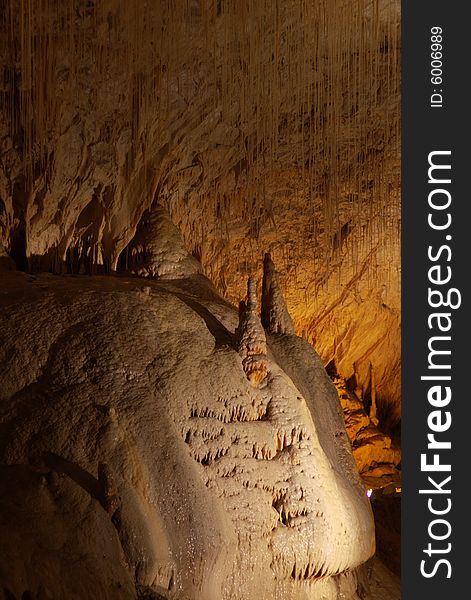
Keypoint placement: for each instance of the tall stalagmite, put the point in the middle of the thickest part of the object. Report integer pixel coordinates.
(260, 125)
(251, 339)
(134, 445)
(275, 316)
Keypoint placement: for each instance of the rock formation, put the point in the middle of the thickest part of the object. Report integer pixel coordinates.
(375, 454)
(275, 316)
(147, 450)
(109, 494)
(157, 250)
(131, 405)
(251, 339)
(261, 127)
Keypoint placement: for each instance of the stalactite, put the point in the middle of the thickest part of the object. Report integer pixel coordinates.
(282, 75)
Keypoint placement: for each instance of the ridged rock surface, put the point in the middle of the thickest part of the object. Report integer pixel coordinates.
(262, 126)
(375, 454)
(135, 454)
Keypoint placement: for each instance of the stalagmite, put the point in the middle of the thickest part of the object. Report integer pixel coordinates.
(374, 452)
(109, 495)
(252, 343)
(137, 137)
(157, 250)
(275, 316)
(261, 124)
(202, 477)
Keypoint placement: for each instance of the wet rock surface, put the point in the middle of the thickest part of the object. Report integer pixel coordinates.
(203, 476)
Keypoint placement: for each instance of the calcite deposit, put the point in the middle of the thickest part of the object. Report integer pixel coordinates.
(156, 442)
(261, 126)
(157, 250)
(137, 454)
(251, 338)
(376, 455)
(275, 315)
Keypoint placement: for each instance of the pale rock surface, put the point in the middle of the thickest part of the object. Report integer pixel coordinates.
(137, 456)
(125, 409)
(275, 316)
(251, 339)
(157, 250)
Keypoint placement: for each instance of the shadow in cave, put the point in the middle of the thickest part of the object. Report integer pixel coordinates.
(387, 514)
(222, 336)
(81, 477)
(75, 263)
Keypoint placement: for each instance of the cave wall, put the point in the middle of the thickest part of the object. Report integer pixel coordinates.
(260, 125)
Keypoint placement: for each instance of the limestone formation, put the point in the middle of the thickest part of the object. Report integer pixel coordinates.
(284, 135)
(274, 315)
(109, 495)
(375, 454)
(373, 408)
(157, 250)
(145, 146)
(251, 339)
(215, 476)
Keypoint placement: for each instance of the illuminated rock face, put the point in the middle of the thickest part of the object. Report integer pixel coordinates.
(145, 441)
(136, 453)
(251, 338)
(261, 126)
(374, 452)
(157, 251)
(275, 315)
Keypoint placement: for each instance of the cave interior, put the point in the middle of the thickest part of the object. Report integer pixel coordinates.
(200, 300)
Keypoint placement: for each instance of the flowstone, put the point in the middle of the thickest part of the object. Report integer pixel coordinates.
(136, 454)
